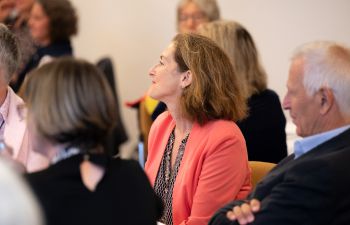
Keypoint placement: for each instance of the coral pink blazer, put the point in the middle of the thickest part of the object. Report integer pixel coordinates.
(214, 169)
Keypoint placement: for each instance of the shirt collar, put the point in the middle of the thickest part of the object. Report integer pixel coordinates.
(306, 144)
(65, 154)
(4, 108)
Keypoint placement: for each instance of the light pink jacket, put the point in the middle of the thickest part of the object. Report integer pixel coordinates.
(214, 169)
(16, 136)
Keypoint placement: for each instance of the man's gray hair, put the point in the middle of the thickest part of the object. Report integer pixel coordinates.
(327, 64)
(9, 53)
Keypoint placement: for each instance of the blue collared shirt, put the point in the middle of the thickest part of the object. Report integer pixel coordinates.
(306, 144)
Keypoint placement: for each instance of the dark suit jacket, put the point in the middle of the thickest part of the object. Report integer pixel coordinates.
(313, 189)
(123, 196)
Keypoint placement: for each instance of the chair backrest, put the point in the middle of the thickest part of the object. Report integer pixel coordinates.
(259, 170)
(119, 134)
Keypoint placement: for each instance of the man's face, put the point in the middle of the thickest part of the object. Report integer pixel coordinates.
(304, 109)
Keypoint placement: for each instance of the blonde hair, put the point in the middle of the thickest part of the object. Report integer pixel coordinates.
(215, 91)
(239, 45)
(70, 103)
(327, 64)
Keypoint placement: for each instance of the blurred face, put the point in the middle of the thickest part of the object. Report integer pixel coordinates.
(303, 109)
(166, 78)
(190, 18)
(6, 6)
(24, 5)
(39, 25)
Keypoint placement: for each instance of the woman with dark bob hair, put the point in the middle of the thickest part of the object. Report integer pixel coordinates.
(52, 23)
(197, 156)
(70, 112)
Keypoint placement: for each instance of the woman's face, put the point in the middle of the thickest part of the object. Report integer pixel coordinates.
(190, 18)
(39, 25)
(166, 77)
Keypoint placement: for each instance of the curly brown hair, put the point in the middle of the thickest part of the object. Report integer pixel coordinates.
(63, 20)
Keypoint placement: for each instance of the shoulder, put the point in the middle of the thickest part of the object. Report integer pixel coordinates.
(126, 165)
(164, 117)
(222, 128)
(163, 123)
(218, 134)
(14, 98)
(128, 170)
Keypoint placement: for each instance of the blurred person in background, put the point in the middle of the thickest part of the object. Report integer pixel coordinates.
(264, 127)
(197, 155)
(18, 204)
(71, 112)
(192, 13)
(52, 23)
(6, 8)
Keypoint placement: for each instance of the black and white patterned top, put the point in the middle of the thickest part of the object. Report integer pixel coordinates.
(166, 177)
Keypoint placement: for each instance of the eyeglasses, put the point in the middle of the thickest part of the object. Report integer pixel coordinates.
(196, 17)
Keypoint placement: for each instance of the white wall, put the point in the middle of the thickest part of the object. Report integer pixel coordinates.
(134, 32)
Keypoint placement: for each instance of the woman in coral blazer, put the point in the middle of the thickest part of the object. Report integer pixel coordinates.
(197, 157)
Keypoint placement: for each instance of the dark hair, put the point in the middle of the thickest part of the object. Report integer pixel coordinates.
(63, 20)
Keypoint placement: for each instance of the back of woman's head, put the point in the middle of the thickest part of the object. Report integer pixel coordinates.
(70, 103)
(239, 45)
(215, 91)
(63, 20)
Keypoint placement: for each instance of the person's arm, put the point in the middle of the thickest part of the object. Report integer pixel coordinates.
(224, 172)
(244, 213)
(226, 215)
(300, 198)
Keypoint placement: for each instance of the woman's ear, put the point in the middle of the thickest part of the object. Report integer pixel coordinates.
(186, 79)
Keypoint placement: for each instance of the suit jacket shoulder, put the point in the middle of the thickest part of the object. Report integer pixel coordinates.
(312, 189)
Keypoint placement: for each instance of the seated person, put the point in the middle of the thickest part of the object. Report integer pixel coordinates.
(311, 185)
(197, 157)
(71, 112)
(13, 128)
(264, 127)
(189, 15)
(51, 24)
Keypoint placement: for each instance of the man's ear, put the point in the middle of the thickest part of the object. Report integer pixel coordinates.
(186, 79)
(326, 100)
